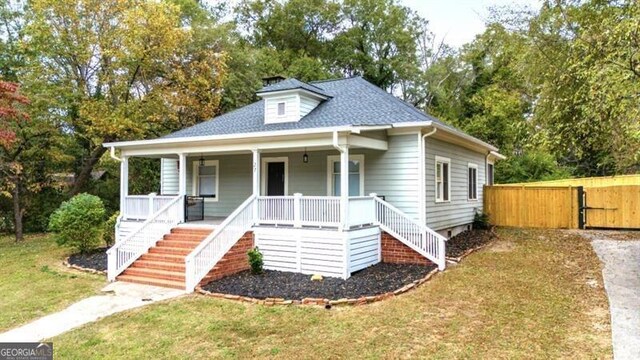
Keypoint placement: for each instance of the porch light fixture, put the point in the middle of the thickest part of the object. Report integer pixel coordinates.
(201, 160)
(305, 157)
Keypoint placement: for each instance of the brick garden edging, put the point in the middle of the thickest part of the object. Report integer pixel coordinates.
(322, 302)
(80, 268)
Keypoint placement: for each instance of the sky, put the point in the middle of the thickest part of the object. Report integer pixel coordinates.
(459, 21)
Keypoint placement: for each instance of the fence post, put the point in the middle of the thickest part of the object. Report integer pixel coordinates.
(151, 199)
(296, 210)
(442, 262)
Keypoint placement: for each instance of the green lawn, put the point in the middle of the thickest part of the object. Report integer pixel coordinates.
(531, 294)
(34, 281)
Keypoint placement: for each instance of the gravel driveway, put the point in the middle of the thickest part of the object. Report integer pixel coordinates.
(621, 273)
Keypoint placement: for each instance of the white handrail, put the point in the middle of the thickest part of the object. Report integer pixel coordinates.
(418, 237)
(205, 256)
(129, 249)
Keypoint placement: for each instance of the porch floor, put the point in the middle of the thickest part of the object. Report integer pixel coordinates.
(207, 221)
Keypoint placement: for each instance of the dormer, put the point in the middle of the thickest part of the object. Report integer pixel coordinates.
(289, 100)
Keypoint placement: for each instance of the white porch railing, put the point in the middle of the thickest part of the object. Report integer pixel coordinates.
(298, 210)
(127, 250)
(418, 237)
(204, 257)
(141, 207)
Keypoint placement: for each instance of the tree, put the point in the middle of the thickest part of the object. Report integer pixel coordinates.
(117, 70)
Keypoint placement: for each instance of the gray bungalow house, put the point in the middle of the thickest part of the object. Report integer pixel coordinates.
(272, 174)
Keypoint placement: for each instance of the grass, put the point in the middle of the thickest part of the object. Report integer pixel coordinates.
(35, 283)
(531, 294)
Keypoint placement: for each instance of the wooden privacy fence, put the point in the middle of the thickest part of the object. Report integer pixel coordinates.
(616, 180)
(568, 207)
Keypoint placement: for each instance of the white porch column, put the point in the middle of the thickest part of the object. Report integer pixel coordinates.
(344, 187)
(124, 183)
(256, 180)
(182, 180)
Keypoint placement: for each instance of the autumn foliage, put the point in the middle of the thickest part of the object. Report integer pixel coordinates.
(10, 114)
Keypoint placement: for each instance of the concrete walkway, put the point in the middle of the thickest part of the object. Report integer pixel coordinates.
(621, 273)
(118, 296)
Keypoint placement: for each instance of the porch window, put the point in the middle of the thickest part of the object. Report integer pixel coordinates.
(356, 177)
(206, 179)
(443, 174)
(472, 185)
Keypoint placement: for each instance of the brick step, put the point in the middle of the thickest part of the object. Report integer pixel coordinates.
(155, 274)
(150, 281)
(191, 231)
(170, 251)
(184, 237)
(159, 265)
(178, 244)
(168, 258)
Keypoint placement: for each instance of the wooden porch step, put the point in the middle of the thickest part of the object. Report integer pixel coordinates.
(170, 251)
(178, 244)
(155, 273)
(191, 231)
(169, 258)
(185, 237)
(159, 265)
(151, 281)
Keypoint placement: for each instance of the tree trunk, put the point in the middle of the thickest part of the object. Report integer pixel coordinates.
(17, 211)
(87, 168)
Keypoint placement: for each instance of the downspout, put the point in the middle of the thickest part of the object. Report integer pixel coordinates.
(112, 153)
(423, 177)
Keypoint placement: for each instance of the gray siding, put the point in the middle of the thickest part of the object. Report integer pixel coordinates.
(169, 177)
(235, 182)
(459, 210)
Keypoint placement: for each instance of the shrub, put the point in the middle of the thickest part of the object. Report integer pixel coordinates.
(110, 229)
(255, 260)
(79, 222)
(481, 221)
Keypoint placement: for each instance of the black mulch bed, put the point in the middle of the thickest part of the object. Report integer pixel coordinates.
(96, 260)
(375, 280)
(470, 239)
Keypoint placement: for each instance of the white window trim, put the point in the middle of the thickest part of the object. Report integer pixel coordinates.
(435, 179)
(263, 173)
(195, 185)
(336, 158)
(472, 166)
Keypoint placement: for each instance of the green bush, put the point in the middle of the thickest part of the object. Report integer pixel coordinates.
(110, 229)
(255, 260)
(79, 222)
(481, 221)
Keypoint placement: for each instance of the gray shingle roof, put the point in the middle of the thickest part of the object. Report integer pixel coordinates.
(353, 102)
(290, 84)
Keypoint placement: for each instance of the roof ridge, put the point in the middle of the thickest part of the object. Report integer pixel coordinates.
(333, 80)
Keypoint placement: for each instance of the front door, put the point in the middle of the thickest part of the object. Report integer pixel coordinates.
(275, 178)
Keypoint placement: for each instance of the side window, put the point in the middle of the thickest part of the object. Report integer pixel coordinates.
(489, 174)
(472, 184)
(356, 175)
(443, 174)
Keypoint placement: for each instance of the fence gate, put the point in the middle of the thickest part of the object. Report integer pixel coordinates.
(615, 207)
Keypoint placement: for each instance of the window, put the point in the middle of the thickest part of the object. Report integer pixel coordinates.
(472, 186)
(206, 179)
(281, 107)
(443, 174)
(356, 175)
(489, 174)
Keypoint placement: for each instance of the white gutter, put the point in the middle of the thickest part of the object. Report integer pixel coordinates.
(423, 177)
(497, 155)
(112, 153)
